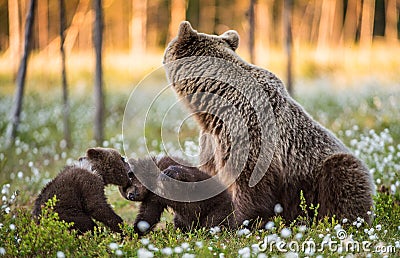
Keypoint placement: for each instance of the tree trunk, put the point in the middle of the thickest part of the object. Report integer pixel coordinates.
(138, 27)
(178, 14)
(14, 33)
(263, 32)
(391, 21)
(251, 30)
(207, 16)
(351, 22)
(43, 23)
(326, 25)
(66, 106)
(20, 82)
(98, 87)
(288, 7)
(367, 23)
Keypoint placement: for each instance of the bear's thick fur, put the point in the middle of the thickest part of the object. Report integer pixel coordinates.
(216, 211)
(297, 155)
(79, 190)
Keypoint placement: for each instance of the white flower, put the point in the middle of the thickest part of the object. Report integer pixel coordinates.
(285, 233)
(167, 251)
(118, 253)
(2, 251)
(221, 255)
(298, 236)
(309, 251)
(378, 227)
(144, 253)
(12, 227)
(178, 249)
(269, 225)
(186, 255)
(243, 232)
(255, 248)
(199, 244)
(60, 254)
(244, 252)
(262, 255)
(291, 255)
(215, 230)
(145, 241)
(278, 208)
(151, 247)
(344, 221)
(143, 226)
(302, 228)
(113, 246)
(270, 238)
(185, 245)
(246, 223)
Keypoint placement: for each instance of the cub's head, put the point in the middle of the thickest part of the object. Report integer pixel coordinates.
(143, 171)
(109, 164)
(135, 191)
(189, 42)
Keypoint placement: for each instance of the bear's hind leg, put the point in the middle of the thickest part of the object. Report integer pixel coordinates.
(345, 188)
(82, 221)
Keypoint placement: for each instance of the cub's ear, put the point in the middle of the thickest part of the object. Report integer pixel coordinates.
(93, 153)
(185, 30)
(232, 38)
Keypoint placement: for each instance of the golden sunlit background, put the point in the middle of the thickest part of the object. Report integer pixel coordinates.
(340, 59)
(349, 38)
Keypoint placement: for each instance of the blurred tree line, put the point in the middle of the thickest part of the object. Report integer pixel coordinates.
(138, 26)
(147, 25)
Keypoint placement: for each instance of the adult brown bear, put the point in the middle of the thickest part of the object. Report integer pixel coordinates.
(265, 145)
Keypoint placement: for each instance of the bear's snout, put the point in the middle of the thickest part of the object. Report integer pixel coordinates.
(133, 195)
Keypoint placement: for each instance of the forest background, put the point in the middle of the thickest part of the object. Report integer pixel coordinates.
(357, 35)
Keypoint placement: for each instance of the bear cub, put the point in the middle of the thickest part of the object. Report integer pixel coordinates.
(215, 211)
(79, 190)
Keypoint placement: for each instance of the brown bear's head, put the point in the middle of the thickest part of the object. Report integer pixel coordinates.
(191, 43)
(109, 164)
(143, 171)
(136, 191)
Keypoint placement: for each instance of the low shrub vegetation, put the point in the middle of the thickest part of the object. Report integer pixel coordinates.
(366, 120)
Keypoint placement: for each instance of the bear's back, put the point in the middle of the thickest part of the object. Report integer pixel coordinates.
(70, 187)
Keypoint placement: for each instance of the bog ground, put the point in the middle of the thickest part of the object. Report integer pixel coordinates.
(365, 118)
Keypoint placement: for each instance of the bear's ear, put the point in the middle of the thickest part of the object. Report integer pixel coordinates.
(93, 153)
(185, 30)
(232, 38)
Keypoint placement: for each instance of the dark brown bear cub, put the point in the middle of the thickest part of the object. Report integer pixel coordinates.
(79, 190)
(215, 211)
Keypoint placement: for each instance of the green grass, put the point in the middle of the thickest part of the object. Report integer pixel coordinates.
(367, 120)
